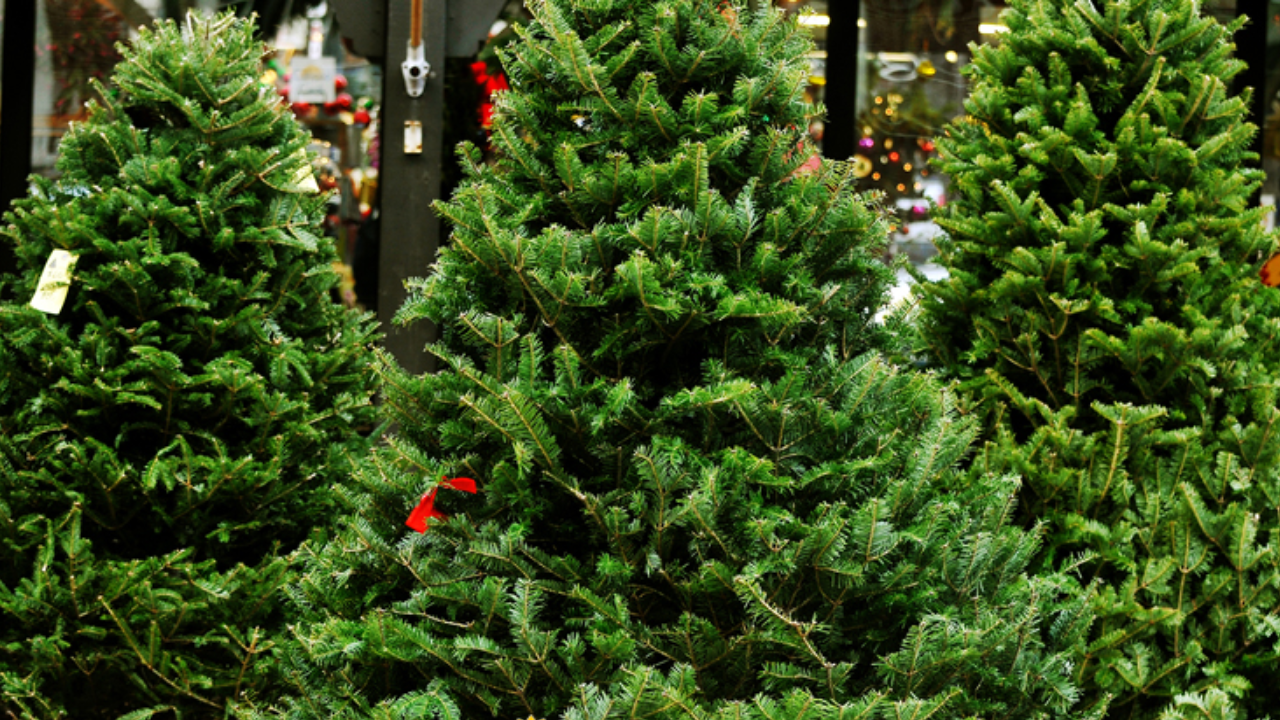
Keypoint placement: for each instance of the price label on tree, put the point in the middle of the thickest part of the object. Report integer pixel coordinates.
(55, 280)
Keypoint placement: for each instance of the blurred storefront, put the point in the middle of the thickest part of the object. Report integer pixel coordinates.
(336, 94)
(890, 72)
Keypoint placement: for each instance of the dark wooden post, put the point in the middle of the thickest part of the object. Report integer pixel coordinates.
(409, 182)
(840, 136)
(18, 84)
(1251, 47)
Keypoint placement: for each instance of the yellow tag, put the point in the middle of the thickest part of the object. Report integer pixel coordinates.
(51, 293)
(304, 180)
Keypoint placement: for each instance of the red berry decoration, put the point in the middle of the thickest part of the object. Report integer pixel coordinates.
(331, 108)
(300, 108)
(361, 117)
(344, 101)
(339, 82)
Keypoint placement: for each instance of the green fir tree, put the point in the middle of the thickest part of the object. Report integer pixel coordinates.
(703, 493)
(1106, 319)
(170, 434)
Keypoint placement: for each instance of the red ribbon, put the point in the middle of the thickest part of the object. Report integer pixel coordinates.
(427, 505)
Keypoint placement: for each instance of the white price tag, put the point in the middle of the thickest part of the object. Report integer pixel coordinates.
(55, 280)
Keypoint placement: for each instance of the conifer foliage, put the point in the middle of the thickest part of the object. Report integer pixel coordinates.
(1104, 313)
(170, 434)
(702, 493)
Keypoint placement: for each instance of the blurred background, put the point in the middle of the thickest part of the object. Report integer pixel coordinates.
(889, 72)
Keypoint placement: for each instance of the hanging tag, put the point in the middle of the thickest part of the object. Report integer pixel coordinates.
(55, 280)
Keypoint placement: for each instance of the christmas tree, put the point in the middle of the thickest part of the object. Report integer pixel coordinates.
(664, 470)
(1107, 322)
(170, 424)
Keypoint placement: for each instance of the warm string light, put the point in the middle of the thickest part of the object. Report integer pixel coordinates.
(866, 142)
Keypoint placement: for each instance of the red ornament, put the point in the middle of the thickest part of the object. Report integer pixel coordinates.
(489, 83)
(331, 108)
(344, 101)
(497, 82)
(361, 117)
(426, 508)
(300, 108)
(339, 82)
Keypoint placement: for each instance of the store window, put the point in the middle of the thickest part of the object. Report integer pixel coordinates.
(909, 85)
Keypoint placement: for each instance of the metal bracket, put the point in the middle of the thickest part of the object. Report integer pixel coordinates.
(415, 69)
